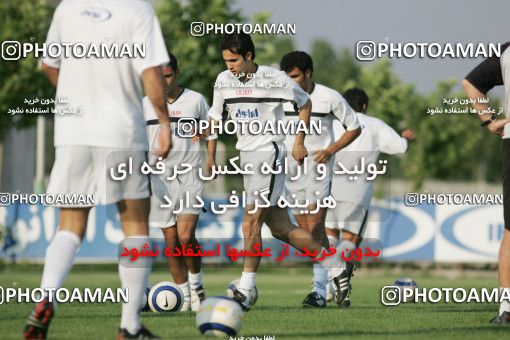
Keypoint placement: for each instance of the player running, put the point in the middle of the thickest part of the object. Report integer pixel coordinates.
(353, 196)
(250, 92)
(109, 131)
(327, 105)
(492, 72)
(179, 229)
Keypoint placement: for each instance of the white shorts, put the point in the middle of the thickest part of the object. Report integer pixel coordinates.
(185, 187)
(272, 185)
(88, 170)
(306, 186)
(347, 215)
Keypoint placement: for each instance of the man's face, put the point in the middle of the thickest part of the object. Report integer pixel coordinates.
(301, 78)
(235, 62)
(170, 76)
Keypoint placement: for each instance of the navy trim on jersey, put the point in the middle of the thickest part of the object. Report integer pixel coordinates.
(239, 100)
(363, 224)
(273, 176)
(312, 114)
(172, 120)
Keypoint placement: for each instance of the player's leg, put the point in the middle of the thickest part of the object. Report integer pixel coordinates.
(58, 261)
(134, 217)
(504, 278)
(252, 224)
(177, 265)
(504, 249)
(278, 221)
(72, 173)
(333, 234)
(131, 196)
(314, 224)
(186, 226)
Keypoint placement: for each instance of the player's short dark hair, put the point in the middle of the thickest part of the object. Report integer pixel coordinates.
(299, 59)
(356, 98)
(173, 62)
(238, 43)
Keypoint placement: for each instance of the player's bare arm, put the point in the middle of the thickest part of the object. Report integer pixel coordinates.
(153, 84)
(51, 73)
(299, 151)
(497, 125)
(323, 156)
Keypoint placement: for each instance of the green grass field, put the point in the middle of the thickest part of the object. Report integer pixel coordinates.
(278, 311)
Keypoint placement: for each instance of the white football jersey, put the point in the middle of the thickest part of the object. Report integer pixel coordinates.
(260, 98)
(189, 106)
(107, 91)
(376, 137)
(326, 104)
(505, 70)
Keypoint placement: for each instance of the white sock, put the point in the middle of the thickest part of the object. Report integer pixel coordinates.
(505, 304)
(185, 290)
(133, 276)
(333, 241)
(247, 281)
(320, 279)
(332, 264)
(59, 259)
(195, 280)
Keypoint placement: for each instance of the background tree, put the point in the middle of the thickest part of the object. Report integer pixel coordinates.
(25, 22)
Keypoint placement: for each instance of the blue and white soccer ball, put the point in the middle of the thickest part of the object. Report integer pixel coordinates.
(144, 304)
(406, 283)
(232, 286)
(219, 316)
(164, 297)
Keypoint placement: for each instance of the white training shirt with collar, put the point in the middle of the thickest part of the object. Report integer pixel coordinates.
(107, 91)
(376, 137)
(260, 98)
(326, 105)
(190, 105)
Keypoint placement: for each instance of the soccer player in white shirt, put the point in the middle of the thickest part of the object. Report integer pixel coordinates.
(247, 91)
(179, 230)
(327, 105)
(492, 72)
(353, 197)
(109, 130)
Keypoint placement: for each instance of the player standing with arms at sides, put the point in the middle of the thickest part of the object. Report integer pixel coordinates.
(247, 91)
(492, 72)
(109, 131)
(179, 230)
(327, 105)
(353, 196)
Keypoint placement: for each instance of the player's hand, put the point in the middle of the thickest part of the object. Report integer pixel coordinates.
(164, 141)
(497, 126)
(322, 156)
(197, 138)
(408, 134)
(299, 152)
(209, 167)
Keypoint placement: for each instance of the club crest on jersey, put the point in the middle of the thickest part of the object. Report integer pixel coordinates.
(247, 113)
